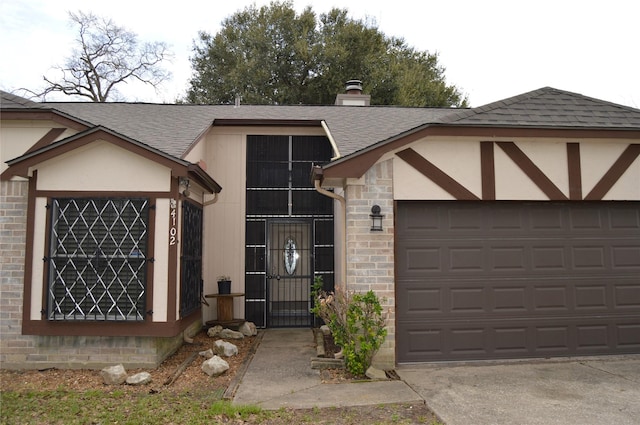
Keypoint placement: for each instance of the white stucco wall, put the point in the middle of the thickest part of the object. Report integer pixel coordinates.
(459, 157)
(18, 136)
(102, 166)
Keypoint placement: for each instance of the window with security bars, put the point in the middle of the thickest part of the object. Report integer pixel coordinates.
(191, 259)
(98, 259)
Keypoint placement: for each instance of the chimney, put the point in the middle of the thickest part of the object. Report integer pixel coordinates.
(354, 87)
(353, 95)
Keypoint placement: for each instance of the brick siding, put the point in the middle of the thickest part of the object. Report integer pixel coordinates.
(19, 351)
(370, 254)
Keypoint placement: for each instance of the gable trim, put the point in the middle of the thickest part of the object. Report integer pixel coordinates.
(46, 115)
(488, 171)
(614, 173)
(574, 171)
(357, 163)
(436, 175)
(532, 171)
(179, 168)
(47, 139)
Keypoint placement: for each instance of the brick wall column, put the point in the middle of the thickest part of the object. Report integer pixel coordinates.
(14, 347)
(370, 254)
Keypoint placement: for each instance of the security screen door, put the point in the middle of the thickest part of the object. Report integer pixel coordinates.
(290, 274)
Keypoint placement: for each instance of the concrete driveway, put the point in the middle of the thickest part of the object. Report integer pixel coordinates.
(587, 391)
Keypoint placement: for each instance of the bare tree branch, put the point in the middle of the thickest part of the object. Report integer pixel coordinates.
(105, 56)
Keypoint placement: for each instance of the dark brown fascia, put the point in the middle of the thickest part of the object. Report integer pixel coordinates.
(20, 166)
(265, 122)
(47, 139)
(46, 115)
(356, 164)
(195, 172)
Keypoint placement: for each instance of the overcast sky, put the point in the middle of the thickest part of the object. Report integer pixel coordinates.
(491, 49)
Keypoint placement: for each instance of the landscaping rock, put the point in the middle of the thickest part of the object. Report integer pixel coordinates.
(207, 354)
(325, 330)
(215, 366)
(142, 378)
(229, 334)
(114, 375)
(375, 373)
(224, 348)
(214, 331)
(248, 329)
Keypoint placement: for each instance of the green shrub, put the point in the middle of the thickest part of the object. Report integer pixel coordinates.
(356, 322)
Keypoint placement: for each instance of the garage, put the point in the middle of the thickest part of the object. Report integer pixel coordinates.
(512, 279)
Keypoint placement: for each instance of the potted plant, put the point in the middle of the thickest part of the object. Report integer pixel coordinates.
(224, 284)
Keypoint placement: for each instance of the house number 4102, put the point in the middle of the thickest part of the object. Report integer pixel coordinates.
(173, 231)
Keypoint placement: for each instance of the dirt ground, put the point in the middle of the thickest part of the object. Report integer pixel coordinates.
(194, 381)
(83, 379)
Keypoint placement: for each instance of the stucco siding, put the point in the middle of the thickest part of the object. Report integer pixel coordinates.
(460, 159)
(161, 263)
(102, 166)
(16, 137)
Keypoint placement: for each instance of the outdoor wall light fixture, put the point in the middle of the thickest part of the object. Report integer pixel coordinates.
(184, 182)
(376, 219)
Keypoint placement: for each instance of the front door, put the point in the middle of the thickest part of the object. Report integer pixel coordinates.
(289, 273)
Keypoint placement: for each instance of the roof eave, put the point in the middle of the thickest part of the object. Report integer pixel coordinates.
(357, 163)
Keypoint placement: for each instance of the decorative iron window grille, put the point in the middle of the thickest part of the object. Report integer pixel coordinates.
(191, 264)
(98, 259)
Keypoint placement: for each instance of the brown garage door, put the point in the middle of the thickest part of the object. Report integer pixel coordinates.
(490, 280)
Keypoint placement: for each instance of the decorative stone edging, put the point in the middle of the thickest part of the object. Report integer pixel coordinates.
(320, 361)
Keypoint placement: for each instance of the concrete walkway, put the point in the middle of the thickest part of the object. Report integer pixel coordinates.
(587, 391)
(280, 375)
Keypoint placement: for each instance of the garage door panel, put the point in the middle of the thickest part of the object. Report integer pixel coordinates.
(527, 279)
(504, 257)
(522, 298)
(628, 336)
(499, 340)
(627, 257)
(510, 300)
(627, 296)
(624, 219)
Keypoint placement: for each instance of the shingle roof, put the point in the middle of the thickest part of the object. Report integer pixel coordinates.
(173, 128)
(11, 101)
(549, 107)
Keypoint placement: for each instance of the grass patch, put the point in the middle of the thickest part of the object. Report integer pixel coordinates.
(66, 407)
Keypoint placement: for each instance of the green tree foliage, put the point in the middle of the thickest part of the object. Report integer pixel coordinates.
(271, 55)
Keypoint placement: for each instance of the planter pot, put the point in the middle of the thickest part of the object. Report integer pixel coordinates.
(224, 287)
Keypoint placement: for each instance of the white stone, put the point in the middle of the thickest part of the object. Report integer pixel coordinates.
(325, 330)
(215, 366)
(114, 375)
(214, 331)
(207, 354)
(375, 373)
(225, 348)
(229, 334)
(248, 329)
(142, 378)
